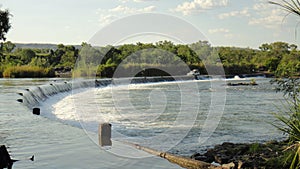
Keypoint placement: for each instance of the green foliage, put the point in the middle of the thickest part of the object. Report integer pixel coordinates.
(291, 121)
(39, 62)
(279, 58)
(289, 65)
(290, 88)
(27, 71)
(4, 22)
(26, 55)
(8, 47)
(290, 118)
(254, 147)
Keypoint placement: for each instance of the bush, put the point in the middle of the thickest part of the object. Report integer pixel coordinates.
(27, 72)
(290, 118)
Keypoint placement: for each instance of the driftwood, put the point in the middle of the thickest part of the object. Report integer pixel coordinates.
(181, 161)
(242, 84)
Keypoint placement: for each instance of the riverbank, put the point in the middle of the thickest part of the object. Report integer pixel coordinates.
(271, 155)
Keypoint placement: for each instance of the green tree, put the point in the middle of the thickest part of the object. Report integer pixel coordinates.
(186, 54)
(203, 50)
(26, 55)
(39, 62)
(4, 28)
(4, 23)
(8, 47)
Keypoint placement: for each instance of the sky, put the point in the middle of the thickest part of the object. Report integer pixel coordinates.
(240, 23)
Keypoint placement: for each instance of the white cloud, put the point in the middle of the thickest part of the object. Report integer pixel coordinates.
(148, 9)
(106, 19)
(267, 16)
(196, 6)
(108, 15)
(229, 36)
(218, 30)
(269, 21)
(127, 10)
(125, 1)
(244, 12)
(144, 0)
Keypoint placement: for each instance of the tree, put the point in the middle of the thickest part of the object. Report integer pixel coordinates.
(4, 27)
(4, 24)
(8, 47)
(26, 55)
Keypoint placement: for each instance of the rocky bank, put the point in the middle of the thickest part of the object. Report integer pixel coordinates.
(270, 155)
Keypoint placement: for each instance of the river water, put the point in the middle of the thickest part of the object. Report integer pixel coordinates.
(55, 144)
(179, 117)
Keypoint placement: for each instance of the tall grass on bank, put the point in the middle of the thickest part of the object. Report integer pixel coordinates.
(291, 126)
(290, 118)
(27, 72)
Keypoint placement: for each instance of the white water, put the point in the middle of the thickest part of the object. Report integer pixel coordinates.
(171, 116)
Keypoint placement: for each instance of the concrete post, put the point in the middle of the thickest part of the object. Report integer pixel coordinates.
(36, 111)
(104, 134)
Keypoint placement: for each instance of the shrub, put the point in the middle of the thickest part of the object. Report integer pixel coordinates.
(290, 118)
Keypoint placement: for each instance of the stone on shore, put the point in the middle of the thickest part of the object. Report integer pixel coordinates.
(246, 156)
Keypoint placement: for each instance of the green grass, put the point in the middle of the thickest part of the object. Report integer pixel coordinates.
(27, 72)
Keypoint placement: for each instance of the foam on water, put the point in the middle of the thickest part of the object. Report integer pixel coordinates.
(140, 112)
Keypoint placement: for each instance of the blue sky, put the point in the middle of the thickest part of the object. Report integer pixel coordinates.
(242, 23)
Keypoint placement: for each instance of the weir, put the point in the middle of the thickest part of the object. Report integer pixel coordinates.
(32, 96)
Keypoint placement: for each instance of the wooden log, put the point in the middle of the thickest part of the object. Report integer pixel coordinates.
(181, 161)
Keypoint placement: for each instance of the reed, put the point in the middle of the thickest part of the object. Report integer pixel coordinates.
(27, 72)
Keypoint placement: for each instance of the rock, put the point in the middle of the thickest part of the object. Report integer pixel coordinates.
(246, 155)
(5, 160)
(31, 158)
(198, 156)
(195, 155)
(228, 166)
(222, 158)
(240, 164)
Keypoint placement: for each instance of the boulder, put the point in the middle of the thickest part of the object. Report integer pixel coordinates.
(5, 160)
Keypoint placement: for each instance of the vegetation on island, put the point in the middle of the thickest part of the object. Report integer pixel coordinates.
(279, 58)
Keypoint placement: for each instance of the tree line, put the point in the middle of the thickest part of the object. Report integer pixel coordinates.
(279, 58)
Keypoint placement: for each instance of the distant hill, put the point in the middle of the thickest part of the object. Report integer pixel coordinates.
(40, 46)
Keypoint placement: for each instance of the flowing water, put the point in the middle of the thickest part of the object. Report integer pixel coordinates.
(54, 143)
(180, 117)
